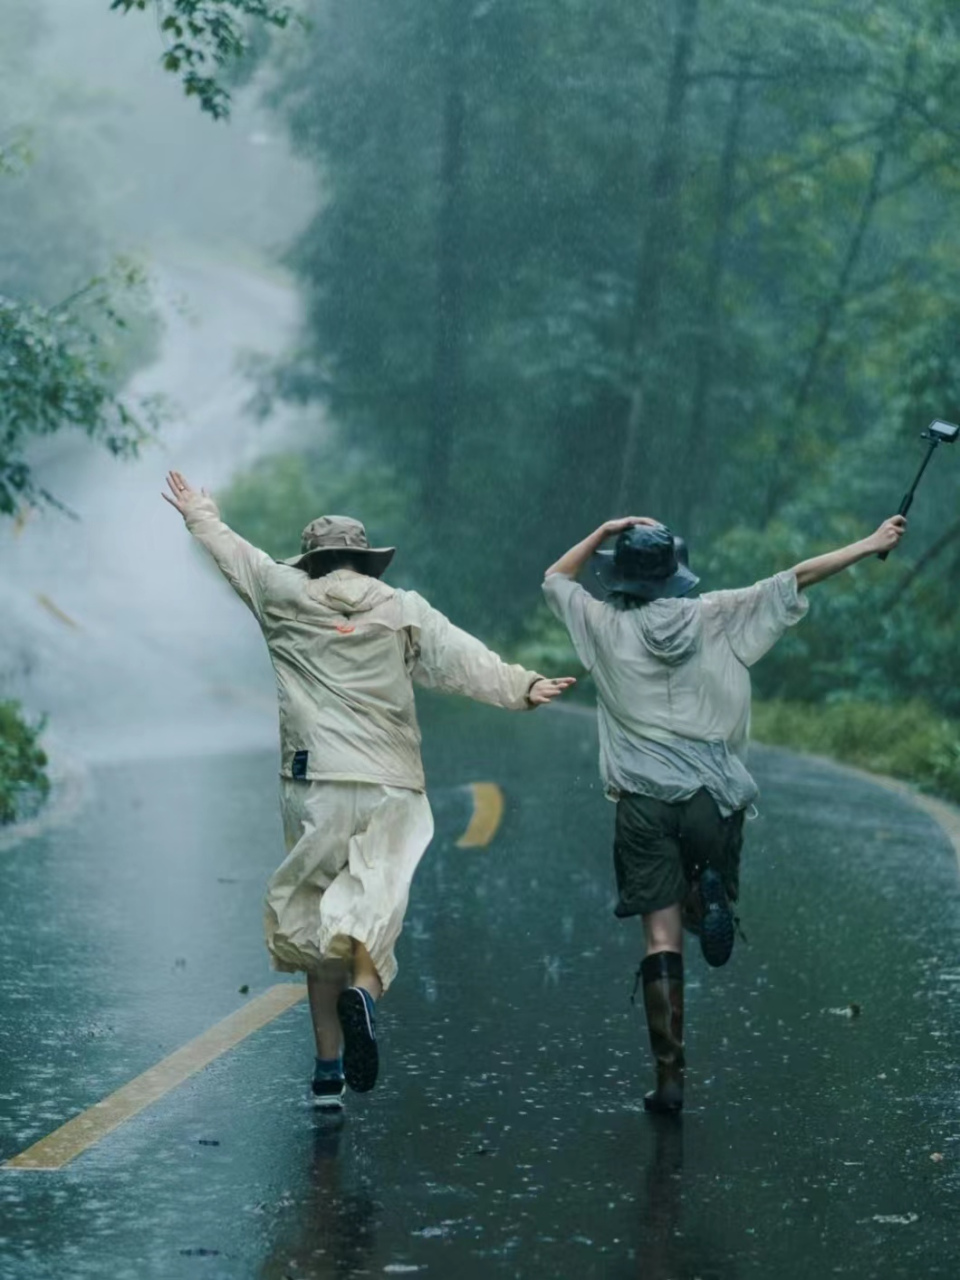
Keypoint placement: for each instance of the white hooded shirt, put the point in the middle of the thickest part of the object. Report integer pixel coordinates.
(673, 683)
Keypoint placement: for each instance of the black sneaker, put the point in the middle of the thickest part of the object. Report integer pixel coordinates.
(716, 923)
(361, 1060)
(328, 1092)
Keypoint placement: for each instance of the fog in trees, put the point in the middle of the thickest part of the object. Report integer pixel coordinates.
(556, 261)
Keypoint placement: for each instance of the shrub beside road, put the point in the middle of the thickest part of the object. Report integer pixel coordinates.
(24, 784)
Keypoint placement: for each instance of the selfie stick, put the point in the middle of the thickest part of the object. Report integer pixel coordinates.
(937, 433)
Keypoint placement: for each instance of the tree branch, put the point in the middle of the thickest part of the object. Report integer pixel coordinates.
(777, 75)
(808, 166)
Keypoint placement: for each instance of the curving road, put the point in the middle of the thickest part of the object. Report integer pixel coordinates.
(114, 624)
(507, 1137)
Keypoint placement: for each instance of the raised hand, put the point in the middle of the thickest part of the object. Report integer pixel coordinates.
(180, 492)
(573, 560)
(889, 533)
(626, 522)
(545, 691)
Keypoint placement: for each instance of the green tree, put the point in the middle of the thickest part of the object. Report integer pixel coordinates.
(699, 260)
(54, 375)
(72, 325)
(23, 780)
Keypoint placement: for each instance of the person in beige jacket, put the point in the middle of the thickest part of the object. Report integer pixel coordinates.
(347, 650)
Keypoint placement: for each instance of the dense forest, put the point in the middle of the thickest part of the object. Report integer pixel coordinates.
(580, 259)
(570, 259)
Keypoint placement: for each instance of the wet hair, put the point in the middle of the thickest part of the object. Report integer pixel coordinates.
(331, 563)
(623, 601)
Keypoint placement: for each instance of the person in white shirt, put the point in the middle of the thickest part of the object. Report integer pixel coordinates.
(347, 650)
(672, 674)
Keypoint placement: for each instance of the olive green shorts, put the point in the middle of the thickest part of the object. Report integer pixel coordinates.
(660, 850)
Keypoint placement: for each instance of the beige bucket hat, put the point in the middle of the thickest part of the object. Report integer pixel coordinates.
(328, 537)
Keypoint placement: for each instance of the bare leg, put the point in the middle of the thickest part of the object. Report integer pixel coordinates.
(365, 972)
(664, 930)
(323, 987)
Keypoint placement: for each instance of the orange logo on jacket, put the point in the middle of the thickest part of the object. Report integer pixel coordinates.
(345, 629)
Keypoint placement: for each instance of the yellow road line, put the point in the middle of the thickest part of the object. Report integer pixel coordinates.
(57, 612)
(487, 816)
(74, 1137)
(20, 520)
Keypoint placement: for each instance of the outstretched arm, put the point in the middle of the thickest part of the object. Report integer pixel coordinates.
(574, 560)
(546, 689)
(453, 661)
(244, 566)
(819, 567)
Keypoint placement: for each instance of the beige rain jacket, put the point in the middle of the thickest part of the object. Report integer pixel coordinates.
(346, 650)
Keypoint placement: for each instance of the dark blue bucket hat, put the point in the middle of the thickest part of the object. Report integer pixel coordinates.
(647, 562)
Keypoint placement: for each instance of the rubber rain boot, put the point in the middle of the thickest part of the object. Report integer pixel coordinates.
(662, 978)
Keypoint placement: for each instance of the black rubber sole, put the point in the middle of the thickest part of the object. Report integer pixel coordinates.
(659, 1105)
(361, 1059)
(716, 926)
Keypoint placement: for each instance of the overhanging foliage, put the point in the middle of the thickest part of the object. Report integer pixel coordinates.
(204, 39)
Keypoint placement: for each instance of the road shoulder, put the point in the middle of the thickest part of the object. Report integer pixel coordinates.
(946, 815)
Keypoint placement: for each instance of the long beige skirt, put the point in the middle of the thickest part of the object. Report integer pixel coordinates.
(352, 850)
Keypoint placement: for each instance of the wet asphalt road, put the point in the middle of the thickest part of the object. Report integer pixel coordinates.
(507, 1136)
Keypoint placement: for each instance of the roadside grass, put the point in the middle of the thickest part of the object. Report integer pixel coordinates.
(907, 740)
(24, 784)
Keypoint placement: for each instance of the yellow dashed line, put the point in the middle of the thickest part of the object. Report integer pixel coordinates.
(487, 816)
(57, 612)
(73, 1138)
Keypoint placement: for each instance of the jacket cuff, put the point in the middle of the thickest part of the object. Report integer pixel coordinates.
(200, 507)
(526, 697)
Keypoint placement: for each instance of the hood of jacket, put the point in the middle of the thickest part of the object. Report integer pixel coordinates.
(349, 593)
(670, 629)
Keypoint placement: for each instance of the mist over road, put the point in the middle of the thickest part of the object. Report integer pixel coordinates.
(114, 624)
